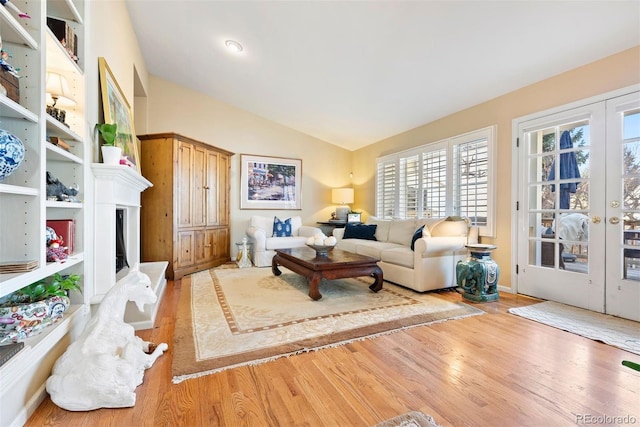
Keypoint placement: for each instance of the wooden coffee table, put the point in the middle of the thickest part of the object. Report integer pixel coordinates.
(337, 264)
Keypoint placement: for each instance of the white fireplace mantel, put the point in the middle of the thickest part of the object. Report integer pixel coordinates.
(119, 187)
(115, 187)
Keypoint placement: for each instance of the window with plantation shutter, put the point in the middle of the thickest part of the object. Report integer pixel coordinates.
(386, 190)
(450, 177)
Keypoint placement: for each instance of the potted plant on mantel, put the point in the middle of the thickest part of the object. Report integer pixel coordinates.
(111, 154)
(27, 311)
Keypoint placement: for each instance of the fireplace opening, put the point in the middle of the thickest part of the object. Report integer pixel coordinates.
(121, 250)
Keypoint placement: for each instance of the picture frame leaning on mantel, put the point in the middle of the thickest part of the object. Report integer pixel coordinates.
(117, 110)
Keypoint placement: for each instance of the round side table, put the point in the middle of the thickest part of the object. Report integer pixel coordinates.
(478, 275)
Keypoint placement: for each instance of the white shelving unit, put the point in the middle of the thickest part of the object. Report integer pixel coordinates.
(24, 208)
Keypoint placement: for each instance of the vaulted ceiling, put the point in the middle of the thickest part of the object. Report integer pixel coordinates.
(354, 72)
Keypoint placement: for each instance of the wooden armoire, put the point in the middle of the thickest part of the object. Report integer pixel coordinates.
(184, 217)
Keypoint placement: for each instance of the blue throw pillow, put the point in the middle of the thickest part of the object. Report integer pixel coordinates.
(281, 228)
(416, 236)
(360, 231)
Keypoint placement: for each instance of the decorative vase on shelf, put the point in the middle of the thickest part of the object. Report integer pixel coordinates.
(11, 153)
(111, 154)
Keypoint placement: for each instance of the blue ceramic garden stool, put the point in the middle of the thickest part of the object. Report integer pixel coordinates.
(478, 274)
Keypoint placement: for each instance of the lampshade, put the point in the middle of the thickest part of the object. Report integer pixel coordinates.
(58, 89)
(342, 196)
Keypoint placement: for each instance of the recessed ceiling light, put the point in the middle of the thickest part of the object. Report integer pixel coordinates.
(233, 46)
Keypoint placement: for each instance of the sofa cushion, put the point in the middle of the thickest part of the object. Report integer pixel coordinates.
(399, 256)
(360, 231)
(272, 243)
(416, 236)
(401, 231)
(281, 228)
(382, 230)
(374, 248)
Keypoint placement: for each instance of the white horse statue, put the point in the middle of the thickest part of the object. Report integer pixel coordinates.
(103, 367)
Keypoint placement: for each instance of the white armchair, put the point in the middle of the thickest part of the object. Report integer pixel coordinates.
(260, 235)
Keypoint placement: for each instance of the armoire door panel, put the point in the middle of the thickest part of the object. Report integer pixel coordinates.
(184, 184)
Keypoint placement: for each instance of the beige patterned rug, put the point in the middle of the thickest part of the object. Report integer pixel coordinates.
(229, 317)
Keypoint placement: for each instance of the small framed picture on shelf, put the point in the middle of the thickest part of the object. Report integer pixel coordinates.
(353, 217)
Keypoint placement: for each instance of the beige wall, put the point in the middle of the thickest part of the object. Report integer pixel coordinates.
(615, 72)
(173, 108)
(113, 38)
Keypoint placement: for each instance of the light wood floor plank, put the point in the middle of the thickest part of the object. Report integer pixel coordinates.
(491, 370)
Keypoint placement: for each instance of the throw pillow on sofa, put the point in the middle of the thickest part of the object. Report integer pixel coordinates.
(418, 234)
(360, 231)
(281, 228)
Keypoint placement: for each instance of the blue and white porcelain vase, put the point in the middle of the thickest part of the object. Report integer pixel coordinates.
(11, 153)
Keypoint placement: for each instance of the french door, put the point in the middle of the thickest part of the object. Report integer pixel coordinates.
(579, 207)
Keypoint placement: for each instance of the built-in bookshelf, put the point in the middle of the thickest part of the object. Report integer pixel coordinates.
(24, 207)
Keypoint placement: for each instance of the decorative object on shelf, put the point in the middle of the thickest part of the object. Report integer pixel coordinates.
(18, 266)
(117, 110)
(7, 351)
(111, 154)
(27, 311)
(65, 35)
(12, 153)
(243, 259)
(14, 9)
(64, 230)
(58, 95)
(57, 191)
(103, 367)
(342, 197)
(321, 244)
(59, 142)
(478, 275)
(9, 83)
(270, 182)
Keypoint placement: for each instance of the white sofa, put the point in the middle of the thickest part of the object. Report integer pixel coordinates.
(260, 235)
(432, 263)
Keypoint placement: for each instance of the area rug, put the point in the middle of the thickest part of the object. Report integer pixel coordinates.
(621, 333)
(410, 419)
(233, 317)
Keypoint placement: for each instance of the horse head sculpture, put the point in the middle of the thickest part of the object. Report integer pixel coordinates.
(138, 288)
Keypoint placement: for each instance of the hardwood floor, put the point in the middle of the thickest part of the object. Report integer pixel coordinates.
(492, 370)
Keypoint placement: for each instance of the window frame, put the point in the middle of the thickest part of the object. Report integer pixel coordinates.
(400, 168)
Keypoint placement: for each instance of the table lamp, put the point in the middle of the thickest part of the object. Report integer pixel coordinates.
(343, 197)
(58, 94)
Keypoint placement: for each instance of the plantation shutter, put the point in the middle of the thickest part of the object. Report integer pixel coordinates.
(471, 186)
(386, 189)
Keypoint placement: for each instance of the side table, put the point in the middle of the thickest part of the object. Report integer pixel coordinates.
(478, 275)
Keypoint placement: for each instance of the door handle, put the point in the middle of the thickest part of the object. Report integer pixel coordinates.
(614, 220)
(596, 220)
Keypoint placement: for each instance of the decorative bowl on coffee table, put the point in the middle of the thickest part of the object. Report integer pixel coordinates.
(321, 250)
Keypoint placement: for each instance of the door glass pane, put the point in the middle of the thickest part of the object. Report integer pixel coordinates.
(631, 125)
(631, 247)
(573, 232)
(541, 197)
(631, 196)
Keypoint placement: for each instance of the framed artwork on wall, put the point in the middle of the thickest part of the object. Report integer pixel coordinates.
(116, 110)
(354, 217)
(270, 182)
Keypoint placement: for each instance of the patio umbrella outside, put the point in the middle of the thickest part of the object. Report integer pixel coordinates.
(568, 169)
